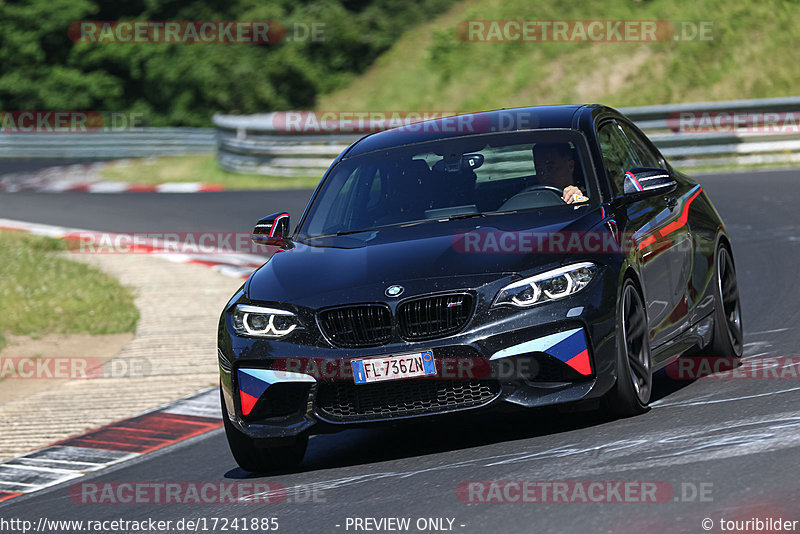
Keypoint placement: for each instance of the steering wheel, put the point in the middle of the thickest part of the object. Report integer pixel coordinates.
(556, 191)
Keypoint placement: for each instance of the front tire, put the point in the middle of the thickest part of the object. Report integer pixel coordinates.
(728, 334)
(631, 394)
(263, 459)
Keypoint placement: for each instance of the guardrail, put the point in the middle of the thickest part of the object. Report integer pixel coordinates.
(255, 144)
(139, 143)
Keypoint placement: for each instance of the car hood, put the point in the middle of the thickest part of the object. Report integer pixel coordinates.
(423, 258)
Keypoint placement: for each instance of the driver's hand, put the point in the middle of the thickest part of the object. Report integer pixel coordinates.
(569, 194)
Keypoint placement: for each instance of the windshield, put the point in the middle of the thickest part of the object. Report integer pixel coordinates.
(468, 176)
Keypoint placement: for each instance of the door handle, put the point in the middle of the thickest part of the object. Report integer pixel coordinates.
(672, 202)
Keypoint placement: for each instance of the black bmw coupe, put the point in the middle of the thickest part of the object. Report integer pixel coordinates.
(530, 257)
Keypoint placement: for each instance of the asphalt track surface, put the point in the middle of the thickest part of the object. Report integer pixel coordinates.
(737, 439)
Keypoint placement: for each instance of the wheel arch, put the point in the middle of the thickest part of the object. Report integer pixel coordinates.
(629, 271)
(724, 240)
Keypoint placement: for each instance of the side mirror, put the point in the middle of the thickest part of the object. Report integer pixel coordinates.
(272, 230)
(642, 182)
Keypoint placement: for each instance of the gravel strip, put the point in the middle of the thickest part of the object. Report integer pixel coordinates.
(174, 347)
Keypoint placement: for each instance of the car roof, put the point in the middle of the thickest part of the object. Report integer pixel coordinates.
(495, 121)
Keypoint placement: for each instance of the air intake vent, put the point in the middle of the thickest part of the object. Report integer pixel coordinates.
(345, 401)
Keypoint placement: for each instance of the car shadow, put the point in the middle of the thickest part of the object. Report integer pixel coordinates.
(408, 439)
(688, 369)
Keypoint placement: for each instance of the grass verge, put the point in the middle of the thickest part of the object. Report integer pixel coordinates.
(199, 168)
(42, 292)
(752, 53)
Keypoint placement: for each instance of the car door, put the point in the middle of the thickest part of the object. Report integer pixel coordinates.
(672, 233)
(661, 261)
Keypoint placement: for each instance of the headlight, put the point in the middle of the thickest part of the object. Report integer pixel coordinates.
(552, 285)
(257, 321)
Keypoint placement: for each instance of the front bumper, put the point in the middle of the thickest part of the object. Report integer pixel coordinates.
(280, 389)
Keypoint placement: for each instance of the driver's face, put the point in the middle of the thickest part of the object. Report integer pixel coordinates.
(552, 167)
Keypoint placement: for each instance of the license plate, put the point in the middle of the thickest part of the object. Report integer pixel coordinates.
(393, 367)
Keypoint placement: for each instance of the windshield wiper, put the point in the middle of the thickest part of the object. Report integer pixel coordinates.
(345, 232)
(410, 223)
(462, 216)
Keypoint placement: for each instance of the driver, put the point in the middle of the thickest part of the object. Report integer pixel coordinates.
(555, 166)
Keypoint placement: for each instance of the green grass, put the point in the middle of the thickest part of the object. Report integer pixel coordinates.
(43, 293)
(753, 54)
(199, 168)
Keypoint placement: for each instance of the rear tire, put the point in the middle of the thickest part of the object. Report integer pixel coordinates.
(728, 335)
(265, 459)
(631, 394)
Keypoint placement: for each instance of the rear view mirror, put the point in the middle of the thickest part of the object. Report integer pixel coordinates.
(458, 164)
(472, 161)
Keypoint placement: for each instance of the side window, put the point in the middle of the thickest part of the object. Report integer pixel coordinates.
(618, 156)
(642, 150)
